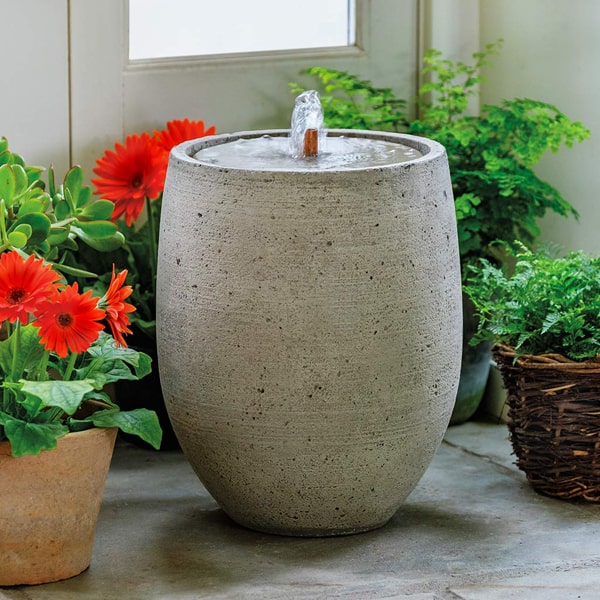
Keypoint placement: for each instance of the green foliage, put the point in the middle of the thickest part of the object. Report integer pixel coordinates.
(547, 305)
(353, 103)
(40, 392)
(133, 255)
(498, 196)
(140, 421)
(36, 411)
(51, 222)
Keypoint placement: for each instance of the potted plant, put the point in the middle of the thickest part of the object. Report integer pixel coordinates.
(131, 179)
(543, 321)
(497, 195)
(57, 424)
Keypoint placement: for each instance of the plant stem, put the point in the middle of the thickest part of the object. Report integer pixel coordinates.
(43, 366)
(70, 366)
(3, 235)
(14, 376)
(8, 405)
(153, 243)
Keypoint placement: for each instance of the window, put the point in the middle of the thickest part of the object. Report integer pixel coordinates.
(176, 28)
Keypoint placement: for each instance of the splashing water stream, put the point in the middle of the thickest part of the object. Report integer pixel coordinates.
(307, 148)
(306, 133)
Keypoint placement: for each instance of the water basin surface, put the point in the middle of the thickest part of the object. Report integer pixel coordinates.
(273, 154)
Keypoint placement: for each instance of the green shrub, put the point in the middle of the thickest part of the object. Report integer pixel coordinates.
(547, 305)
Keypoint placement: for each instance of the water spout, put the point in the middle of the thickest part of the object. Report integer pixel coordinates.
(307, 131)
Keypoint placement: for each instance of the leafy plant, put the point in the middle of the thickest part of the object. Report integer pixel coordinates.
(131, 180)
(547, 305)
(51, 222)
(54, 356)
(497, 194)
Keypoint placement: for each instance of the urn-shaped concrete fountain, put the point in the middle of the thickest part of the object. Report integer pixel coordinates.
(309, 320)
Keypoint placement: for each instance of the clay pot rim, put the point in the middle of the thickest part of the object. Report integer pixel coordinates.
(430, 150)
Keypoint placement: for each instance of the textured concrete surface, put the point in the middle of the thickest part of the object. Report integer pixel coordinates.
(472, 529)
(326, 308)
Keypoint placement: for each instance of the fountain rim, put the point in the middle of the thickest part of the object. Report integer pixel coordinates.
(429, 149)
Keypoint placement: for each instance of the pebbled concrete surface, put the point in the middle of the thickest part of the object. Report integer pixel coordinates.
(472, 529)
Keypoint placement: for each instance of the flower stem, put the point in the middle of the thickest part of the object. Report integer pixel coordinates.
(14, 376)
(8, 404)
(43, 366)
(70, 366)
(153, 243)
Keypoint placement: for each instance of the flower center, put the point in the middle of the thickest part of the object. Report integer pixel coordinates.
(64, 319)
(137, 181)
(16, 295)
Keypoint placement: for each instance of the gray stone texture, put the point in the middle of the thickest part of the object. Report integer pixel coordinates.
(309, 333)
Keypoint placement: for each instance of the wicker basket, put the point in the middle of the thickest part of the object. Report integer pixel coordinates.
(554, 421)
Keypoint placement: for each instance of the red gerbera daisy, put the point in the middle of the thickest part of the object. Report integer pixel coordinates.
(70, 321)
(133, 172)
(24, 285)
(178, 131)
(116, 309)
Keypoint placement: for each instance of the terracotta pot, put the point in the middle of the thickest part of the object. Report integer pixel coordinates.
(49, 507)
(309, 332)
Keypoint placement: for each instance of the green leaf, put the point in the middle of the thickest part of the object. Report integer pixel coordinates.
(66, 395)
(102, 244)
(73, 182)
(140, 421)
(111, 362)
(84, 197)
(17, 239)
(40, 226)
(68, 270)
(98, 229)
(58, 235)
(29, 353)
(98, 210)
(24, 228)
(33, 205)
(61, 210)
(7, 183)
(31, 438)
(21, 179)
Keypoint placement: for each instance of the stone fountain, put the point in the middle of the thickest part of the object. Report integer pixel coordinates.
(309, 319)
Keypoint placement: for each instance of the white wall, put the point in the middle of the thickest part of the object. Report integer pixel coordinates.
(34, 100)
(552, 53)
(452, 27)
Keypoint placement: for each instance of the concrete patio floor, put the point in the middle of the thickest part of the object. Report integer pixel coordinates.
(472, 529)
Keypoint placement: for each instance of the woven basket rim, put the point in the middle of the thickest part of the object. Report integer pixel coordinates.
(546, 361)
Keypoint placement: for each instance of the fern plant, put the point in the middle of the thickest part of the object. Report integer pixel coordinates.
(492, 156)
(547, 305)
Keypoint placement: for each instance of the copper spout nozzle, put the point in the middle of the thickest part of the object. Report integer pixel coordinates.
(311, 142)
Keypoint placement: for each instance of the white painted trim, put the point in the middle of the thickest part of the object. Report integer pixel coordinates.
(111, 98)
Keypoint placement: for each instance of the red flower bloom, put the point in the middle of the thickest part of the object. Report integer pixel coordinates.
(131, 173)
(70, 321)
(116, 309)
(178, 131)
(24, 285)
